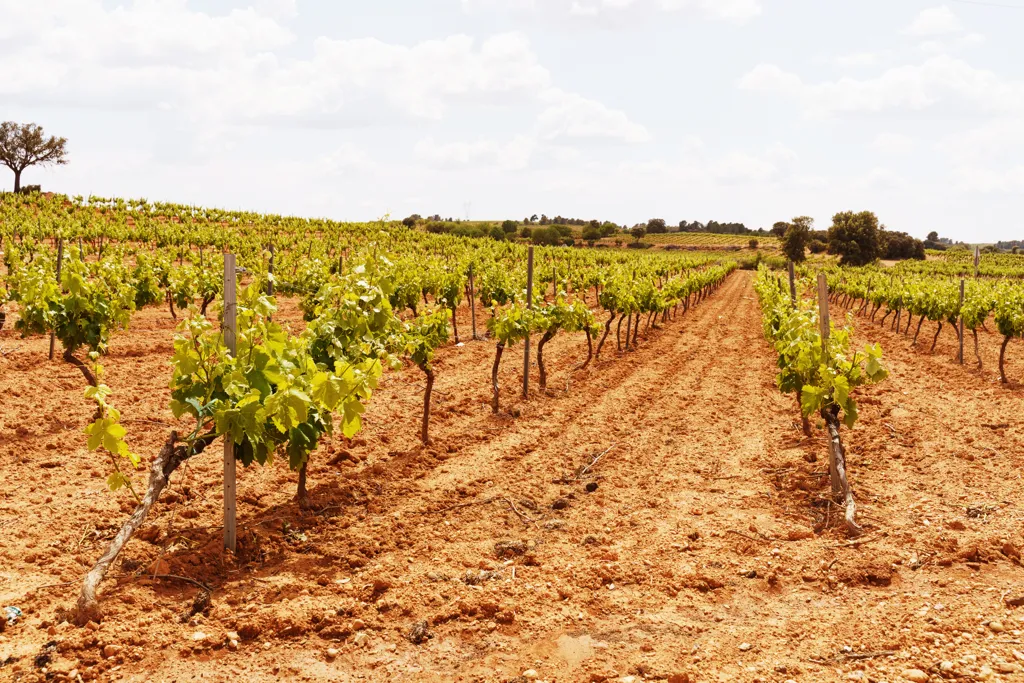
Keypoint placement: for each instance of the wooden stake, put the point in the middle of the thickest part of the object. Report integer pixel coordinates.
(823, 317)
(229, 332)
(270, 273)
(60, 262)
(792, 283)
(472, 302)
(977, 261)
(961, 309)
(529, 305)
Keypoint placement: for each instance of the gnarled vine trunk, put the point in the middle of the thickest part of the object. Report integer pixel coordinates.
(607, 330)
(494, 376)
(974, 333)
(424, 436)
(837, 470)
(936, 339)
(164, 465)
(540, 357)
(86, 372)
(1002, 357)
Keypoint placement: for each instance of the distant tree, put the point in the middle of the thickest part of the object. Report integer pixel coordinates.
(548, 236)
(591, 234)
(533, 219)
(544, 220)
(526, 231)
(817, 246)
(409, 222)
(656, 226)
(638, 232)
(752, 244)
(26, 145)
(1015, 250)
(499, 234)
(933, 236)
(795, 239)
(897, 246)
(608, 229)
(854, 237)
(779, 229)
(509, 226)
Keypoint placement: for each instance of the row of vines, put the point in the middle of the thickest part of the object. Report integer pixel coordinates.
(373, 297)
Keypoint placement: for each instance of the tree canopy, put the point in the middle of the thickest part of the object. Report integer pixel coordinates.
(854, 237)
(24, 145)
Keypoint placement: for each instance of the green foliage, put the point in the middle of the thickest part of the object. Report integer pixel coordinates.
(107, 434)
(795, 239)
(823, 376)
(854, 237)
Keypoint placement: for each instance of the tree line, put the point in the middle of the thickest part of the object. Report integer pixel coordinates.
(856, 237)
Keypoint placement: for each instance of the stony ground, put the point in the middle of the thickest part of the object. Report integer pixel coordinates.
(658, 516)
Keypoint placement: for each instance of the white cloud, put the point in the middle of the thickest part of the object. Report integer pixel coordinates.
(880, 179)
(726, 10)
(938, 80)
(574, 116)
(989, 181)
(857, 59)
(893, 144)
(512, 155)
(935, 21)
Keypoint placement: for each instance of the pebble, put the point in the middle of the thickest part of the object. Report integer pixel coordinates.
(232, 644)
(745, 646)
(985, 673)
(946, 666)
(996, 626)
(198, 635)
(333, 652)
(531, 674)
(1007, 667)
(111, 651)
(266, 646)
(915, 675)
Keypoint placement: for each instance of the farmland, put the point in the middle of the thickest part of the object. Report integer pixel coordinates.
(655, 511)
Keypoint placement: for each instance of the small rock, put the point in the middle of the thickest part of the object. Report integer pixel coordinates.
(332, 652)
(1007, 667)
(985, 673)
(915, 675)
(996, 626)
(419, 634)
(232, 635)
(591, 487)
(198, 636)
(111, 651)
(266, 646)
(946, 666)
(560, 504)
(679, 678)
(744, 647)
(531, 674)
(361, 638)
(233, 644)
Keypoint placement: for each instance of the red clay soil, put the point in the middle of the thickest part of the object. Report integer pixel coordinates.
(708, 550)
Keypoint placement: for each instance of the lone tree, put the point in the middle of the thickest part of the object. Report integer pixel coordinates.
(854, 237)
(796, 237)
(26, 145)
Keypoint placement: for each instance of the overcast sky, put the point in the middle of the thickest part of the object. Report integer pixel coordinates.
(733, 110)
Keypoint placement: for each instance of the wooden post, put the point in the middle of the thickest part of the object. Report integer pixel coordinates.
(792, 283)
(229, 332)
(823, 316)
(60, 262)
(529, 305)
(961, 309)
(472, 301)
(270, 273)
(977, 261)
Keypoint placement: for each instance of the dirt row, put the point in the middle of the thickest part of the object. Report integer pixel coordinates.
(656, 516)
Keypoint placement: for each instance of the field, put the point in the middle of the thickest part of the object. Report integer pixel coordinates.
(655, 516)
(703, 240)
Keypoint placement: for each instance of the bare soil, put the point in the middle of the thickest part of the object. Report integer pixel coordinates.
(701, 546)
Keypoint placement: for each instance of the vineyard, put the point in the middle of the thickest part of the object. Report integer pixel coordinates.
(252, 447)
(703, 240)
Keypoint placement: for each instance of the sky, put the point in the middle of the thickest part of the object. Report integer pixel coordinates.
(734, 110)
